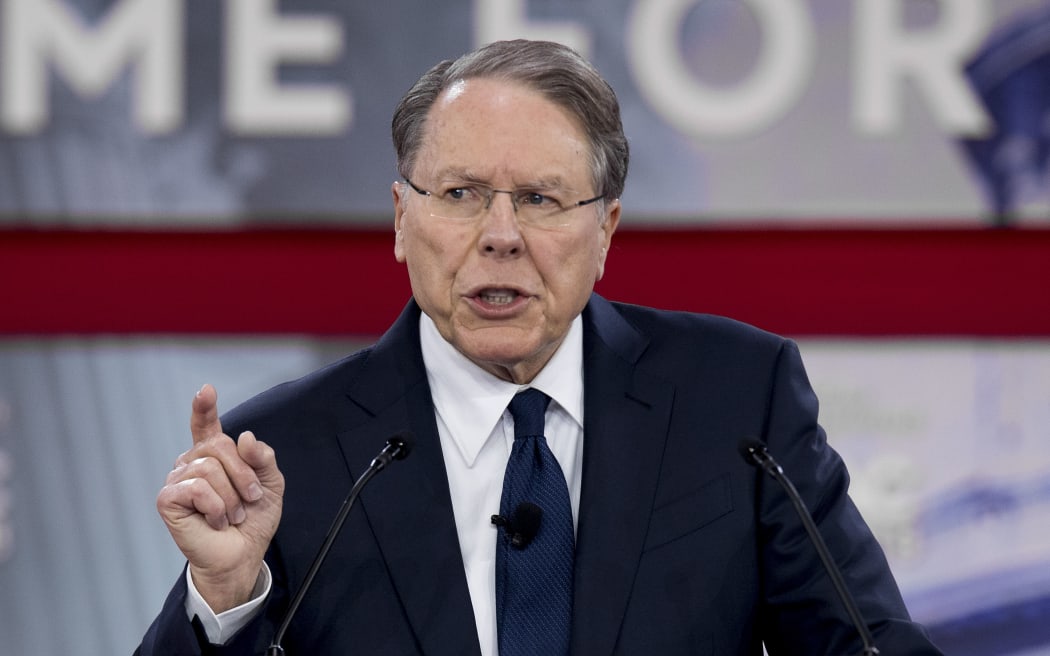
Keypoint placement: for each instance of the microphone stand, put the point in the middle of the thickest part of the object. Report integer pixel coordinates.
(757, 452)
(396, 448)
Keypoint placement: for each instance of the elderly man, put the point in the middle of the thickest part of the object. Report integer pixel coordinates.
(575, 484)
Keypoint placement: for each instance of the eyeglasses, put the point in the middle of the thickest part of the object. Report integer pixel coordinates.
(465, 202)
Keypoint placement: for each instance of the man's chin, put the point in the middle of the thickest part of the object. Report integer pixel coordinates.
(509, 354)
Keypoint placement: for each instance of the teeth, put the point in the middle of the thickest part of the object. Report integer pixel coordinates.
(498, 297)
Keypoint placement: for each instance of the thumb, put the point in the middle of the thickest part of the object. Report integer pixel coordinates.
(204, 418)
(262, 458)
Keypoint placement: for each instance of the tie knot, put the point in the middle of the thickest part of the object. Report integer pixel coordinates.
(528, 407)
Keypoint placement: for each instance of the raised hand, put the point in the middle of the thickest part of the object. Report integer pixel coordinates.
(221, 504)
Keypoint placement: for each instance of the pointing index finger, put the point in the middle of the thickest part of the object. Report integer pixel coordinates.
(204, 420)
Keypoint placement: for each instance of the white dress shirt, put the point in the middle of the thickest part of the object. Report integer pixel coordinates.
(477, 433)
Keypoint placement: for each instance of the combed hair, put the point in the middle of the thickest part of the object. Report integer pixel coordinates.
(556, 71)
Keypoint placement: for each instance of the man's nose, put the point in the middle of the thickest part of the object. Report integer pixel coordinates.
(500, 232)
(492, 199)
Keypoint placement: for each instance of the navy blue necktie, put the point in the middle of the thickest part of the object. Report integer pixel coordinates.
(534, 579)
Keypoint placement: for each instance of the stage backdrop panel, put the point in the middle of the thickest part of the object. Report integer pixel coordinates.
(946, 441)
(175, 112)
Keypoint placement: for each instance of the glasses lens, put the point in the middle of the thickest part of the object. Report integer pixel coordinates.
(544, 210)
(457, 203)
(465, 203)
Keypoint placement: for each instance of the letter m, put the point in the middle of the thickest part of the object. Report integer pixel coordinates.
(39, 34)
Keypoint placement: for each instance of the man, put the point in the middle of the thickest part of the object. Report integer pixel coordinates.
(513, 160)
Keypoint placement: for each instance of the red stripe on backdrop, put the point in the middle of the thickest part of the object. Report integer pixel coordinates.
(346, 283)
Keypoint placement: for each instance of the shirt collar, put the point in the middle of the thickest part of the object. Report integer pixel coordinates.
(470, 401)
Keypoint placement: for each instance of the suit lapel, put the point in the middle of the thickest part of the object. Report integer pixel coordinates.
(626, 417)
(409, 507)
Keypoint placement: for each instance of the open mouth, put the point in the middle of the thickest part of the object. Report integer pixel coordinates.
(497, 296)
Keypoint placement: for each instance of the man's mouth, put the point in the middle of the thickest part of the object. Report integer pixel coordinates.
(498, 296)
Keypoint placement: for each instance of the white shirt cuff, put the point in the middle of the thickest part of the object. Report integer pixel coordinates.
(221, 627)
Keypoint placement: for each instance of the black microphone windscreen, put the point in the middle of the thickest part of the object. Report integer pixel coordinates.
(749, 448)
(527, 519)
(404, 441)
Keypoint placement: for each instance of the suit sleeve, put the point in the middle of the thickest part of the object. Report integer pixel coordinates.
(802, 613)
(173, 633)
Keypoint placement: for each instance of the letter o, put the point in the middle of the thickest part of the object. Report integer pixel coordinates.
(772, 87)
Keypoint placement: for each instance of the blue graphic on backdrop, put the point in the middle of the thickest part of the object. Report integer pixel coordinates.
(1011, 74)
(1018, 619)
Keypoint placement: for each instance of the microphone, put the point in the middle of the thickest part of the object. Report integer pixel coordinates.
(397, 448)
(756, 453)
(524, 525)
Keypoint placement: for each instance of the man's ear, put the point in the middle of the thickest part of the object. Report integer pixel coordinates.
(399, 211)
(606, 229)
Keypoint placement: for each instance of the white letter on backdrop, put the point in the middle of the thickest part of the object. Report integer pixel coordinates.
(886, 55)
(258, 41)
(779, 76)
(505, 19)
(146, 34)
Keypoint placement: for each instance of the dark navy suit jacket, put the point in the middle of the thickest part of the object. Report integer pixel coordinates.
(683, 547)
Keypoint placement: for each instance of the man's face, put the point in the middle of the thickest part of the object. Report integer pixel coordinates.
(502, 291)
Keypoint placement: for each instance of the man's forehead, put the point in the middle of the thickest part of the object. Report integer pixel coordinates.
(539, 179)
(453, 92)
(497, 131)
(490, 96)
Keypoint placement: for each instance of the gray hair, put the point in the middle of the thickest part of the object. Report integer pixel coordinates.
(556, 71)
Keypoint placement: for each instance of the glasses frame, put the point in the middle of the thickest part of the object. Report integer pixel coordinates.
(513, 201)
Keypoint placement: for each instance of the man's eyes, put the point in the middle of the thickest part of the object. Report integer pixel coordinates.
(461, 194)
(533, 198)
(521, 198)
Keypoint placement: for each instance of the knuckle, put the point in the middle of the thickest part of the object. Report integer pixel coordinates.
(173, 475)
(269, 456)
(218, 442)
(203, 466)
(190, 487)
(179, 493)
(182, 459)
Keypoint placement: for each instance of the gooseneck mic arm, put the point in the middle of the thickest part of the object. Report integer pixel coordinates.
(396, 448)
(756, 453)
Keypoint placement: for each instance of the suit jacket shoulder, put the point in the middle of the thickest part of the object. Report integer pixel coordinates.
(711, 337)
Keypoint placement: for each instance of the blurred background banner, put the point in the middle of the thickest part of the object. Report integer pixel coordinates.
(224, 111)
(198, 191)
